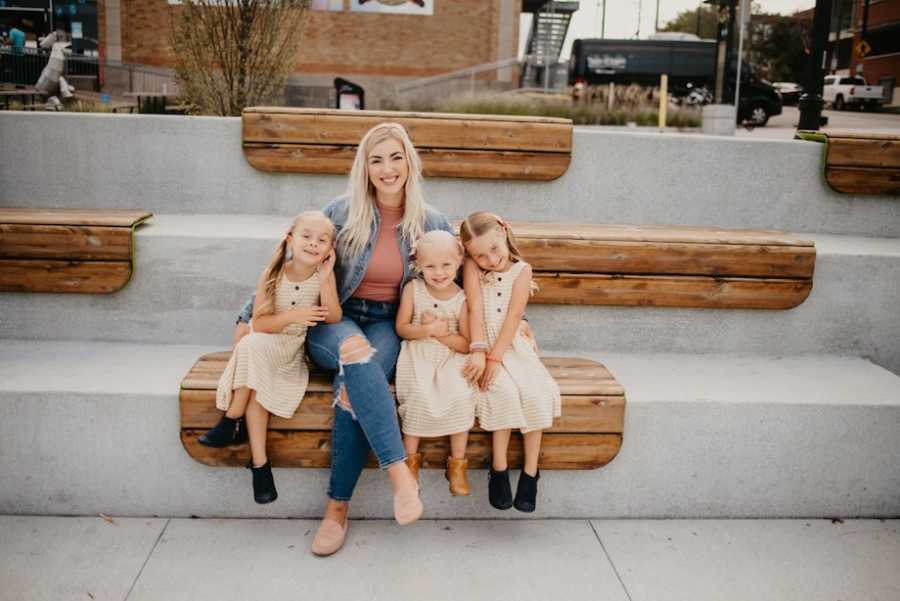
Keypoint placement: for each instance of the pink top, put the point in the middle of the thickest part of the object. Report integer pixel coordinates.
(385, 272)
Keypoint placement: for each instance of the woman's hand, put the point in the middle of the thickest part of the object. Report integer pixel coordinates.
(326, 267)
(474, 368)
(490, 373)
(309, 316)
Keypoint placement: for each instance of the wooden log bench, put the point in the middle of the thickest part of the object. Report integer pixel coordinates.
(860, 163)
(667, 266)
(587, 436)
(67, 250)
(292, 140)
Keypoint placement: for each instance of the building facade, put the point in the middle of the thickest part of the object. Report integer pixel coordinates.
(372, 43)
(881, 65)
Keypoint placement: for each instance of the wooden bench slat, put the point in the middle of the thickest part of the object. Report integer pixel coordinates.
(855, 152)
(655, 233)
(100, 217)
(39, 275)
(313, 450)
(333, 128)
(79, 243)
(581, 379)
(620, 257)
(863, 180)
(580, 415)
(337, 160)
(670, 291)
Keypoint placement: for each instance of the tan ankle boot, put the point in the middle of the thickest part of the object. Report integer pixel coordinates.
(414, 462)
(456, 474)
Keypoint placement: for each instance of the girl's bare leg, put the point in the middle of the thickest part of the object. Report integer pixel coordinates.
(257, 427)
(239, 401)
(411, 443)
(500, 444)
(458, 444)
(532, 443)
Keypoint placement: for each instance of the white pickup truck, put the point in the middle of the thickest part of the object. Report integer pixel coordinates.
(841, 92)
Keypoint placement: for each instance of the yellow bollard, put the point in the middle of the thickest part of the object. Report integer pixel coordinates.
(663, 99)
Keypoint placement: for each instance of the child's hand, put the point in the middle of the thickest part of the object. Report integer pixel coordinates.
(490, 372)
(326, 267)
(309, 316)
(474, 368)
(437, 327)
(528, 335)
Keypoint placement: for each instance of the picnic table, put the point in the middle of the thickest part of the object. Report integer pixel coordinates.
(151, 102)
(27, 96)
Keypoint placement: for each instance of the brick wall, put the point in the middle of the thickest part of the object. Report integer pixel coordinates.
(459, 34)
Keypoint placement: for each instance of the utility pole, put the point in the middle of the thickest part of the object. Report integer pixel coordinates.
(698, 21)
(656, 23)
(811, 103)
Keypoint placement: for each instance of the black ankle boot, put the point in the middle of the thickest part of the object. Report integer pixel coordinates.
(499, 490)
(263, 483)
(526, 492)
(227, 432)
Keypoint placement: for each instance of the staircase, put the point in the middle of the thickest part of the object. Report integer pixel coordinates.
(731, 413)
(545, 39)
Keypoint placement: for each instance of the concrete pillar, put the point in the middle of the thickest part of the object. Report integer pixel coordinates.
(719, 119)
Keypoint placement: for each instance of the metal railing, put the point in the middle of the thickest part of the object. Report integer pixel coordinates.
(500, 75)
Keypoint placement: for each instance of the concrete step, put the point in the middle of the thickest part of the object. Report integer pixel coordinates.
(89, 427)
(196, 165)
(142, 559)
(194, 272)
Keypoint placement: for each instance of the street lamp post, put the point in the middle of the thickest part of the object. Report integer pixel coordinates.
(811, 103)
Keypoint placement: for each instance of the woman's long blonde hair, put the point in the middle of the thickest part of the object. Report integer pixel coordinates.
(361, 217)
(482, 222)
(279, 258)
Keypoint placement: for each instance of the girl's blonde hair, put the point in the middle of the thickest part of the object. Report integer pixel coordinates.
(431, 238)
(479, 223)
(361, 217)
(276, 264)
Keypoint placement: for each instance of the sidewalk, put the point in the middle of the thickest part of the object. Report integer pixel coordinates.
(143, 559)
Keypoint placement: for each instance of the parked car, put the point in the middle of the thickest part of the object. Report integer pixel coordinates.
(842, 92)
(790, 92)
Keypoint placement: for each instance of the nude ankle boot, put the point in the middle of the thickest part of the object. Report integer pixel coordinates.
(456, 474)
(414, 462)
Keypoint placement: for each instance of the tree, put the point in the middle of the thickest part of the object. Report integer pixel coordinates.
(230, 54)
(778, 49)
(686, 22)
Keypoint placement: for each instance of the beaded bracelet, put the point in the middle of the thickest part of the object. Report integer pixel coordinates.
(475, 347)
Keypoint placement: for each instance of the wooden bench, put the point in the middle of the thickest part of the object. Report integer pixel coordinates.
(860, 163)
(296, 140)
(667, 266)
(67, 250)
(587, 436)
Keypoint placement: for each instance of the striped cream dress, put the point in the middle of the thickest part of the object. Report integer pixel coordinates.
(273, 364)
(433, 396)
(523, 395)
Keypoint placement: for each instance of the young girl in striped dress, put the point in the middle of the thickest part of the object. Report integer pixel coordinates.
(515, 389)
(433, 395)
(266, 373)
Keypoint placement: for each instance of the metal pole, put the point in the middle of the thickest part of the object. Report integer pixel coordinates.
(547, 31)
(729, 44)
(603, 21)
(835, 52)
(740, 54)
(698, 21)
(811, 103)
(663, 99)
(865, 26)
(656, 22)
(637, 34)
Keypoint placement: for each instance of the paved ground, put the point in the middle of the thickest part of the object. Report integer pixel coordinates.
(143, 559)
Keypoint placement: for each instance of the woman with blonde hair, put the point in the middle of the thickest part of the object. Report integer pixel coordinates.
(377, 221)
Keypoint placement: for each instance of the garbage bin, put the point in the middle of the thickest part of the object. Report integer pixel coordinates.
(349, 96)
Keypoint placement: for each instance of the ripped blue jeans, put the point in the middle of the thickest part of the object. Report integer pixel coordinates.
(371, 421)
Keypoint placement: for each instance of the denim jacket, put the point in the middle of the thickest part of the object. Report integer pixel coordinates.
(349, 272)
